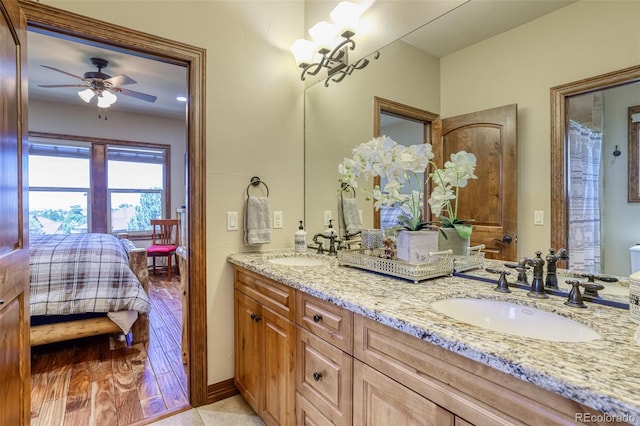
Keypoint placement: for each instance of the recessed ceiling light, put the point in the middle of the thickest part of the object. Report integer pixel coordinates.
(181, 99)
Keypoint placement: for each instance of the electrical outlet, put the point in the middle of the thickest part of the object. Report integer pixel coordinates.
(538, 217)
(327, 217)
(232, 221)
(277, 219)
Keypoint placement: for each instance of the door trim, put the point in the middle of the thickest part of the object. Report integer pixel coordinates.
(193, 58)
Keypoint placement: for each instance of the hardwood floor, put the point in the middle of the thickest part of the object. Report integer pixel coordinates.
(103, 381)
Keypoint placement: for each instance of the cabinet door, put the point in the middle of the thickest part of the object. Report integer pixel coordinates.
(279, 386)
(379, 400)
(249, 349)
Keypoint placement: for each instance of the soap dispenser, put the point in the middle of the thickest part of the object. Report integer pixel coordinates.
(300, 240)
(330, 232)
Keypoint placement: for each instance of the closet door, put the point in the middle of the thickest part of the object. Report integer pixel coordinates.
(14, 266)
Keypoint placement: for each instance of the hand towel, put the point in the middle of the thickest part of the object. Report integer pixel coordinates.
(349, 216)
(257, 221)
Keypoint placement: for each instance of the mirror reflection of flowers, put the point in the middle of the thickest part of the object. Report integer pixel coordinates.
(402, 168)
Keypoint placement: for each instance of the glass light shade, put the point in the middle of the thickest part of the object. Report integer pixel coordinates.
(106, 99)
(86, 95)
(324, 34)
(303, 51)
(346, 16)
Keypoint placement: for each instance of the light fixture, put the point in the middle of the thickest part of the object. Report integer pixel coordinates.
(105, 97)
(330, 46)
(86, 95)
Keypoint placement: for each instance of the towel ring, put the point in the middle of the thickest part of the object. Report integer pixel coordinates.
(255, 181)
(345, 187)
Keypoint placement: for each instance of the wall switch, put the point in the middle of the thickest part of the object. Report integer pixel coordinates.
(327, 217)
(538, 217)
(277, 219)
(232, 221)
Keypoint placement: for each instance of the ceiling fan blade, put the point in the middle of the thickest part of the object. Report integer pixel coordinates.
(48, 86)
(63, 72)
(138, 95)
(120, 80)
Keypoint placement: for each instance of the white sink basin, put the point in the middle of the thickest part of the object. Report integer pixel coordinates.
(519, 320)
(298, 261)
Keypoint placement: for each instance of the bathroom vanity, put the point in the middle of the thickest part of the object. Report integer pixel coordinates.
(319, 343)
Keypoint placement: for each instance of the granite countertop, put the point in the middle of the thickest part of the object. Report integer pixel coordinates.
(602, 374)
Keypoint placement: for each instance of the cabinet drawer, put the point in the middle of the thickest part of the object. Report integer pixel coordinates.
(308, 415)
(326, 320)
(277, 296)
(323, 377)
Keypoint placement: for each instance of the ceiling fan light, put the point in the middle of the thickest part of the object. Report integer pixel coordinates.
(106, 99)
(86, 95)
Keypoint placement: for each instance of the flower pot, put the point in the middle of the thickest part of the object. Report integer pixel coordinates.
(454, 242)
(415, 246)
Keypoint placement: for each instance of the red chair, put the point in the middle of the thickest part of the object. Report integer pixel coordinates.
(165, 237)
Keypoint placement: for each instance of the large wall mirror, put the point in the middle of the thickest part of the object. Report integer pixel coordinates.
(518, 65)
(593, 161)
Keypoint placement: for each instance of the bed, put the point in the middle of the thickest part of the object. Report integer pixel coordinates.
(87, 284)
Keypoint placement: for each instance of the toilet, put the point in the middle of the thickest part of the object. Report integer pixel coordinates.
(635, 258)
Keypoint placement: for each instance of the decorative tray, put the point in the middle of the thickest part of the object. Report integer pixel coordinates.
(371, 260)
(474, 260)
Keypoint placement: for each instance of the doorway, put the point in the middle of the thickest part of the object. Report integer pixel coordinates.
(67, 24)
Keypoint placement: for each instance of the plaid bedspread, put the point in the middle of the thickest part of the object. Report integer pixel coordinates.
(82, 273)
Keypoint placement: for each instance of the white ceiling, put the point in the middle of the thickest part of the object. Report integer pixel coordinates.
(163, 80)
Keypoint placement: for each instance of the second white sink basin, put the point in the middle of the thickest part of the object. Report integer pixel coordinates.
(519, 320)
(298, 261)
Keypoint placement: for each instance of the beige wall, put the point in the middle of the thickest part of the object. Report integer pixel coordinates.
(254, 123)
(520, 66)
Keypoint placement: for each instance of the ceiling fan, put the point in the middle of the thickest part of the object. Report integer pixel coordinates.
(97, 83)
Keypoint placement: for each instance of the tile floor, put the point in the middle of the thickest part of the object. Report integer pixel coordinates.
(233, 411)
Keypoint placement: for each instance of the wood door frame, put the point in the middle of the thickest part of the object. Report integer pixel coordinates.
(381, 105)
(193, 58)
(559, 151)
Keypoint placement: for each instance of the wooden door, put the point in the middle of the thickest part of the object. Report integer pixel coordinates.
(379, 400)
(14, 264)
(248, 347)
(279, 379)
(490, 201)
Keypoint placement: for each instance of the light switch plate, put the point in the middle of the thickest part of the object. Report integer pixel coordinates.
(538, 217)
(232, 221)
(277, 219)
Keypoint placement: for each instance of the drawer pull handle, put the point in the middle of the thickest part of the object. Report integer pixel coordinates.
(317, 318)
(255, 317)
(317, 376)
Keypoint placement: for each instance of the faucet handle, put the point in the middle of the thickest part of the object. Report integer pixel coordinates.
(575, 297)
(503, 285)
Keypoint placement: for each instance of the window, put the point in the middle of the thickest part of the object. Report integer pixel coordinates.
(78, 186)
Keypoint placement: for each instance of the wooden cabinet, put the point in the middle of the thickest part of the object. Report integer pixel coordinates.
(264, 346)
(335, 368)
(379, 400)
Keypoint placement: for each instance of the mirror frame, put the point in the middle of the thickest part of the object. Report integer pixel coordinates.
(559, 124)
(429, 119)
(633, 194)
